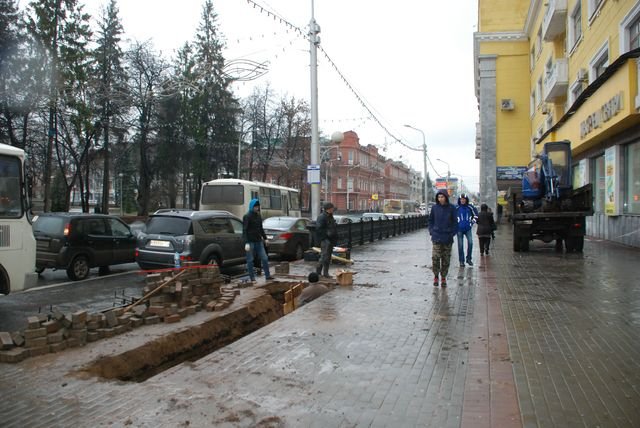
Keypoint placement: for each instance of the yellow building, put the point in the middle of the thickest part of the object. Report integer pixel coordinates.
(563, 70)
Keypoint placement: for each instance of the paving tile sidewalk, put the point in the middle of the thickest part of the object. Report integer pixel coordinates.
(533, 339)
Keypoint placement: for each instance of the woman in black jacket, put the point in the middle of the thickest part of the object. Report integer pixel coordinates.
(486, 226)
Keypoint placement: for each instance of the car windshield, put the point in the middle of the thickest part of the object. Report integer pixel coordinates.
(161, 225)
(48, 225)
(278, 223)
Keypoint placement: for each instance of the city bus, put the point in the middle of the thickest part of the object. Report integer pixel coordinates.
(400, 206)
(17, 244)
(234, 195)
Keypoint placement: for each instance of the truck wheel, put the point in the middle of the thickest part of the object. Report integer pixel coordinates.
(570, 244)
(516, 243)
(524, 243)
(579, 244)
(558, 245)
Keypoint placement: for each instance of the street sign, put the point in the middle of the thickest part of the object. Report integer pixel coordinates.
(313, 174)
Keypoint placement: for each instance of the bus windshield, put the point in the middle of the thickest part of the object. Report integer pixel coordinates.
(10, 197)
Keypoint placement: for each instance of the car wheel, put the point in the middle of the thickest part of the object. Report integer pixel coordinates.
(299, 252)
(104, 270)
(79, 268)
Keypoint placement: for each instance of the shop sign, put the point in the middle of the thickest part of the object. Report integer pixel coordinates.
(510, 172)
(602, 115)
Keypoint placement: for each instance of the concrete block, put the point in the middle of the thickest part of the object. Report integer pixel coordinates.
(80, 334)
(211, 306)
(52, 326)
(136, 322)
(112, 319)
(157, 310)
(72, 342)
(79, 317)
(34, 333)
(173, 309)
(125, 319)
(33, 323)
(66, 322)
(18, 338)
(154, 319)
(6, 341)
(157, 300)
(36, 342)
(56, 337)
(57, 347)
(92, 336)
(57, 315)
(172, 318)
(93, 325)
(14, 355)
(39, 350)
(139, 310)
(191, 309)
(106, 332)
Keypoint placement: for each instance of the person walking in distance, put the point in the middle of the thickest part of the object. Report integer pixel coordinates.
(255, 240)
(466, 215)
(327, 236)
(442, 227)
(486, 226)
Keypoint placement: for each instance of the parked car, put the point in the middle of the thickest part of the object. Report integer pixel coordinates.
(343, 219)
(374, 216)
(78, 242)
(288, 236)
(202, 236)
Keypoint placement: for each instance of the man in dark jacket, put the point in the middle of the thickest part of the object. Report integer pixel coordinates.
(442, 228)
(327, 236)
(255, 239)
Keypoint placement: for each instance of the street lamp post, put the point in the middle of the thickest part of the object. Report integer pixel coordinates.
(448, 172)
(424, 161)
(121, 175)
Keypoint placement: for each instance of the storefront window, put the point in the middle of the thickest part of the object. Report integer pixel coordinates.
(598, 181)
(632, 179)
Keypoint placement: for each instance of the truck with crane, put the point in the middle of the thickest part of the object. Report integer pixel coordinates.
(549, 208)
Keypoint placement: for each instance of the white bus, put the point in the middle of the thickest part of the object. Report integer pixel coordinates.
(234, 195)
(17, 244)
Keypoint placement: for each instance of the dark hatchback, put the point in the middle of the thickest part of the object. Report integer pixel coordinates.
(288, 237)
(202, 236)
(78, 242)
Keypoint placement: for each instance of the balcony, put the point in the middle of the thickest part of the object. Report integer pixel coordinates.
(555, 20)
(556, 81)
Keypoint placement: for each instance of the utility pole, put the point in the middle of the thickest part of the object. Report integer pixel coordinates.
(314, 41)
(424, 162)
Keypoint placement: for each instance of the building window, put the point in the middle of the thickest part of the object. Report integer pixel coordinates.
(549, 121)
(632, 179)
(575, 26)
(539, 92)
(598, 181)
(594, 7)
(532, 58)
(574, 91)
(532, 103)
(351, 157)
(339, 184)
(539, 42)
(599, 63)
(630, 30)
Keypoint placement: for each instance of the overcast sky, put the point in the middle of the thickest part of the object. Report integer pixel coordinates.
(411, 61)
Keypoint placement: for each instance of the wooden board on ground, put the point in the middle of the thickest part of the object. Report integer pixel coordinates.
(333, 256)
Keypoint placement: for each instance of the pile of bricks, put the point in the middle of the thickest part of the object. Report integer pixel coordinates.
(194, 289)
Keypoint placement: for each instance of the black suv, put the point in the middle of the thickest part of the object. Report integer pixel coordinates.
(202, 236)
(79, 242)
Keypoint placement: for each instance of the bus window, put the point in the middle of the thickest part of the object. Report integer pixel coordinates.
(276, 200)
(294, 200)
(265, 198)
(227, 194)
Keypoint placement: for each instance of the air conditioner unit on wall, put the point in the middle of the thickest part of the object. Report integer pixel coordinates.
(507, 104)
(583, 75)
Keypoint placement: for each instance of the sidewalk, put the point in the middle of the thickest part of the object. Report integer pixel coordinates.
(520, 339)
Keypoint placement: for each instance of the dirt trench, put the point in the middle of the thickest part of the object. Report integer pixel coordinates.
(189, 343)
